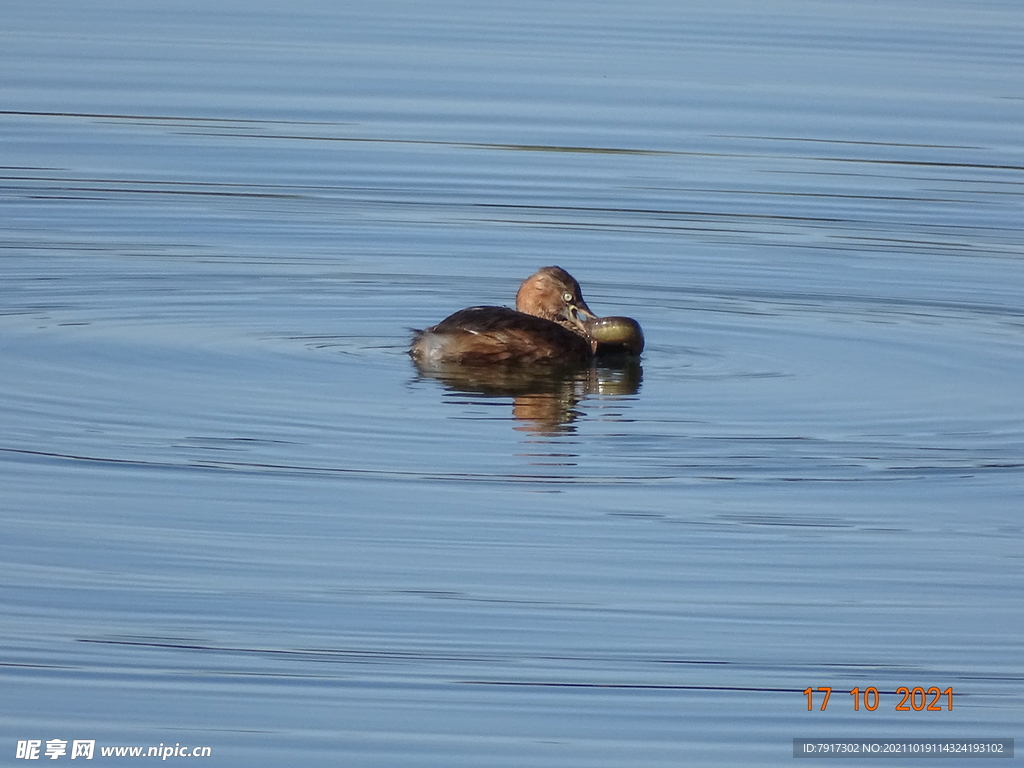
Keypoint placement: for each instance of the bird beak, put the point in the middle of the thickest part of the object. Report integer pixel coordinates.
(578, 314)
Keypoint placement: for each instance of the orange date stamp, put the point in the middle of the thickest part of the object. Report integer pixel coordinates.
(917, 699)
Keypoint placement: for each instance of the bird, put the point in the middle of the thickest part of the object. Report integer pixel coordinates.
(548, 326)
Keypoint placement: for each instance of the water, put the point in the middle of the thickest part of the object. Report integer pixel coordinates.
(235, 515)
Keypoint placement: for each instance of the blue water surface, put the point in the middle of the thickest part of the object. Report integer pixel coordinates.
(235, 515)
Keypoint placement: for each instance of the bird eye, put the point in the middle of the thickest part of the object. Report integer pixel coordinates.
(567, 297)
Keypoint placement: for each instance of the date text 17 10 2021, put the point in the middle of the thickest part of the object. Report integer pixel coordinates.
(917, 699)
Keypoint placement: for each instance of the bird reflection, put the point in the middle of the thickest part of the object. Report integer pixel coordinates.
(545, 400)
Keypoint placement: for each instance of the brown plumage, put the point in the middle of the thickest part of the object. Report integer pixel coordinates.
(547, 325)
